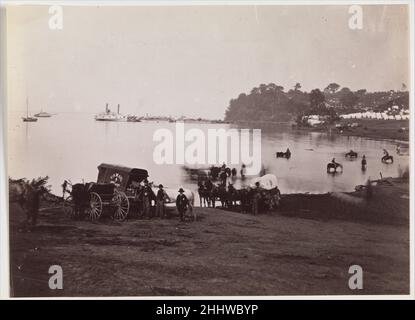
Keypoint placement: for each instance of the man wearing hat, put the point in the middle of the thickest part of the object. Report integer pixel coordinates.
(161, 198)
(146, 197)
(181, 203)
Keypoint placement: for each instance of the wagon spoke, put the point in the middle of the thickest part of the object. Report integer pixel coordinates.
(122, 206)
(95, 206)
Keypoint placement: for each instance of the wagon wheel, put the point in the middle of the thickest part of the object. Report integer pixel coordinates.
(69, 208)
(95, 206)
(122, 206)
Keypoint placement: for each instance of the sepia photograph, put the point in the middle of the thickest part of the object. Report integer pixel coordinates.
(186, 149)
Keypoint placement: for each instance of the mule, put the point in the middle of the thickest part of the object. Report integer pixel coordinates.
(203, 195)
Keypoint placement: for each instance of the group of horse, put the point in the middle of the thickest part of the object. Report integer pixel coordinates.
(333, 166)
(387, 158)
(230, 198)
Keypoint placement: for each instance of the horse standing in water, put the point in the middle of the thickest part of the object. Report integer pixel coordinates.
(333, 165)
(28, 194)
(387, 159)
(286, 154)
(351, 154)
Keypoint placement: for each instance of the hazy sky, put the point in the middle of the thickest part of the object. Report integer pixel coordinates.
(193, 60)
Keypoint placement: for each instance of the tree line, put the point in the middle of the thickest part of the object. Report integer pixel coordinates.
(270, 102)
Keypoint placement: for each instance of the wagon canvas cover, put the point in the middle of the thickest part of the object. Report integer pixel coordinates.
(121, 176)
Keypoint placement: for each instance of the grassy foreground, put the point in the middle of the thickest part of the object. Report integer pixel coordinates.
(304, 248)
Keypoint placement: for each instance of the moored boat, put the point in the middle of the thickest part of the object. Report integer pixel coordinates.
(43, 114)
(108, 115)
(28, 118)
(133, 119)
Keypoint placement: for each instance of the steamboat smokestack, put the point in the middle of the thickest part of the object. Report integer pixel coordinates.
(118, 109)
(106, 108)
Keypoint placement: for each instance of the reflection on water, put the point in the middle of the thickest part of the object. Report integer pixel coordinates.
(71, 146)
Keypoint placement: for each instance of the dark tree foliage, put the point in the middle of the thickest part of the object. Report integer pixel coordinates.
(332, 88)
(269, 102)
(317, 99)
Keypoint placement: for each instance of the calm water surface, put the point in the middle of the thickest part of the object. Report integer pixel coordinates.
(71, 146)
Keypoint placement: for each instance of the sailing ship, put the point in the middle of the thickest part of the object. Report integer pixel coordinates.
(27, 118)
(108, 115)
(43, 114)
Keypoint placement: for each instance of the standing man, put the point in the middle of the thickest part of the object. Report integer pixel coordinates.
(147, 197)
(255, 199)
(223, 177)
(231, 196)
(364, 163)
(181, 203)
(161, 197)
(243, 172)
(64, 188)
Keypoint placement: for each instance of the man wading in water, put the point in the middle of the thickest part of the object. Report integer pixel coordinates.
(181, 203)
(364, 163)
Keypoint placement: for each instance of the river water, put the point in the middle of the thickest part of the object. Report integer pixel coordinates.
(71, 146)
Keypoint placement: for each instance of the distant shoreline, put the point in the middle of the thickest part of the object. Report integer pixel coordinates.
(390, 130)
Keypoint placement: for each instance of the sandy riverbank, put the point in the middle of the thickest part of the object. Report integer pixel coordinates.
(306, 247)
(395, 130)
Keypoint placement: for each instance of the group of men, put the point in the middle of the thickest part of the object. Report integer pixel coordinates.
(146, 196)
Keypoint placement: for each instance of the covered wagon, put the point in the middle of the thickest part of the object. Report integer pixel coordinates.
(115, 189)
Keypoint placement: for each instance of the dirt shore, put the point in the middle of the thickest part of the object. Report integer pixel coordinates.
(395, 130)
(306, 247)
